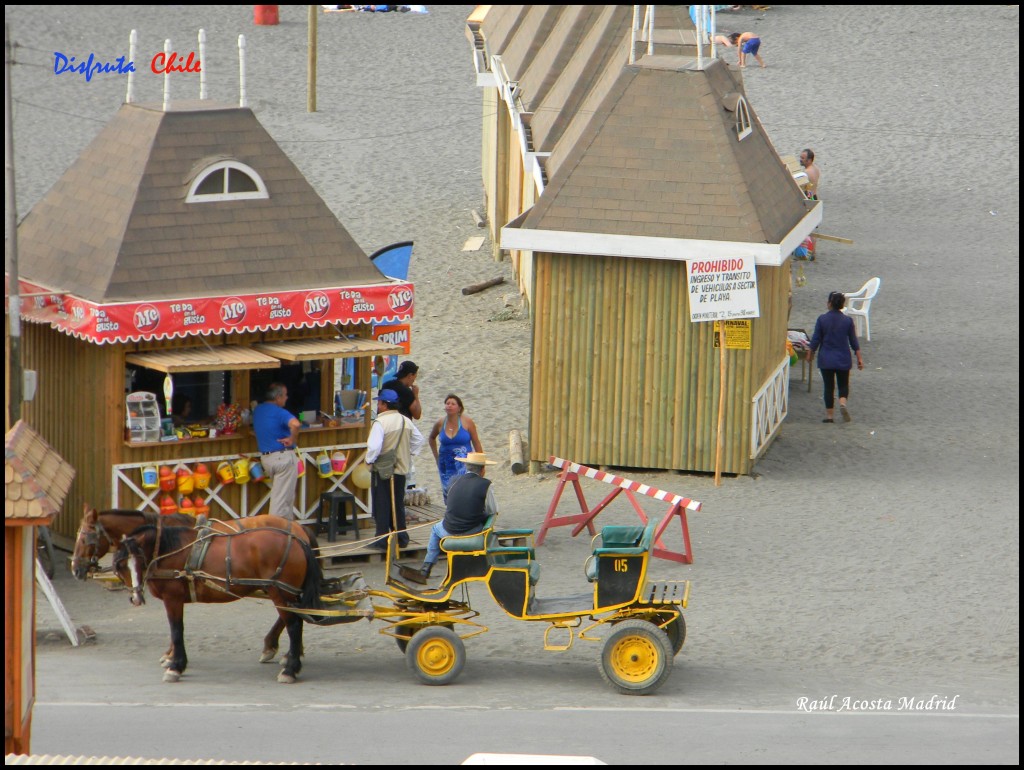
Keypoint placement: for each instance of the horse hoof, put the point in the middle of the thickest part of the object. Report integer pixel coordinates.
(284, 678)
(165, 663)
(268, 656)
(172, 676)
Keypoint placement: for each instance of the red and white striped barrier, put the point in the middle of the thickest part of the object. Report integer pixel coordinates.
(570, 473)
(633, 486)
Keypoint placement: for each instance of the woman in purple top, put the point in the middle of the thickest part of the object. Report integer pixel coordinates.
(835, 335)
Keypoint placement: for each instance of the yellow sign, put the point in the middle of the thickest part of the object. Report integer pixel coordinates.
(737, 334)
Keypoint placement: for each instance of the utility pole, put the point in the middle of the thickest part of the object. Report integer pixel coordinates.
(14, 376)
(311, 55)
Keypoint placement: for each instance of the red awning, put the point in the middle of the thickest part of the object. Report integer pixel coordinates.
(163, 319)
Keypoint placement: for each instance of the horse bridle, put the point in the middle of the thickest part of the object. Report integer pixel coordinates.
(91, 537)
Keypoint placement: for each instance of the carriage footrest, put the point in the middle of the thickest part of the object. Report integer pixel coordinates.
(669, 592)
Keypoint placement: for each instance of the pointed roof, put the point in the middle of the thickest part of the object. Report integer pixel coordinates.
(36, 477)
(116, 226)
(654, 151)
(192, 221)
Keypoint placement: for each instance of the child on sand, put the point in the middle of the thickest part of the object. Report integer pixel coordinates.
(748, 43)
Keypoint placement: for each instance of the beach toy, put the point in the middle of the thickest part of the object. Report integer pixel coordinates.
(323, 465)
(167, 482)
(200, 506)
(241, 469)
(185, 481)
(150, 477)
(256, 472)
(167, 505)
(201, 476)
(338, 462)
(302, 465)
(185, 506)
(361, 477)
(225, 473)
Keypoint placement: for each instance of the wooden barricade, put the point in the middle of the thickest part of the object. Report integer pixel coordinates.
(678, 506)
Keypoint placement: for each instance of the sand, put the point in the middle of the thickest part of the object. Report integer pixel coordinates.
(875, 559)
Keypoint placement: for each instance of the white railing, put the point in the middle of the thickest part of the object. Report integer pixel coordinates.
(255, 495)
(770, 406)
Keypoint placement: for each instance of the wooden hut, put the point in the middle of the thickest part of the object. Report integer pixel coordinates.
(183, 243)
(36, 481)
(641, 163)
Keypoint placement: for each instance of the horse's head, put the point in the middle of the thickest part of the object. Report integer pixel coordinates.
(91, 545)
(130, 564)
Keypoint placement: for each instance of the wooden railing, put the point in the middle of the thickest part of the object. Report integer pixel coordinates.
(769, 408)
(253, 497)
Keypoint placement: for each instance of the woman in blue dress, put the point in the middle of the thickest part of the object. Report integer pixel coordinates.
(457, 435)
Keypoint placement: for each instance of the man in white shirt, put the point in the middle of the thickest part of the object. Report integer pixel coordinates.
(391, 432)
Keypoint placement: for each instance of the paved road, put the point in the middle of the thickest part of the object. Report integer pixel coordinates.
(435, 734)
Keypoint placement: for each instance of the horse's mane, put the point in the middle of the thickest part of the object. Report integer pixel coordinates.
(170, 537)
(126, 512)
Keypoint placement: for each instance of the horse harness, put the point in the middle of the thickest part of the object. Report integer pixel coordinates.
(197, 553)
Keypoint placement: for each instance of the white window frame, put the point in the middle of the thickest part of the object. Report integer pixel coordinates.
(227, 166)
(744, 127)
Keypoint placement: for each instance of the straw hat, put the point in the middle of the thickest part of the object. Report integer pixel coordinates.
(476, 458)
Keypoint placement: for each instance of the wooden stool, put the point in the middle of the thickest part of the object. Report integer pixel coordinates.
(335, 505)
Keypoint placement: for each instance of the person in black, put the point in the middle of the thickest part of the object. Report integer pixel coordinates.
(408, 391)
(470, 503)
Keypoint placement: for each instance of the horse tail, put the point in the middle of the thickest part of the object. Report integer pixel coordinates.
(309, 597)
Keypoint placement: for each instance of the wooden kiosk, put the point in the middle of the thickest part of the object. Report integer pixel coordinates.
(618, 154)
(183, 246)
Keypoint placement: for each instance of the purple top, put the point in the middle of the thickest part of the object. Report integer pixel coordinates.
(835, 335)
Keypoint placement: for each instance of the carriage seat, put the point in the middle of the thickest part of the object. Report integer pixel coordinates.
(619, 540)
(469, 543)
(516, 557)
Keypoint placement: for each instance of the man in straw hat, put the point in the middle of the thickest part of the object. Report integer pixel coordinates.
(390, 432)
(470, 503)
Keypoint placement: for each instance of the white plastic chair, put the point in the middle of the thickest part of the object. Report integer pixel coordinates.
(858, 307)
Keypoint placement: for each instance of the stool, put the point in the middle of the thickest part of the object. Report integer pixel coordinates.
(335, 504)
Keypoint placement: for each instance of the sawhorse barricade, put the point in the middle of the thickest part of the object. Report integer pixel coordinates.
(678, 506)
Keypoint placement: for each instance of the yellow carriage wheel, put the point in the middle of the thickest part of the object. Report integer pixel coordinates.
(436, 655)
(637, 658)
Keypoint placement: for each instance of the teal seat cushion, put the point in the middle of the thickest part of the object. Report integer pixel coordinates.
(464, 543)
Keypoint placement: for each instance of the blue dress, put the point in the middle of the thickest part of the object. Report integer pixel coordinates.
(448, 467)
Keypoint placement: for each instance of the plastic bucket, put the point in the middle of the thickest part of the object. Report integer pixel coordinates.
(265, 14)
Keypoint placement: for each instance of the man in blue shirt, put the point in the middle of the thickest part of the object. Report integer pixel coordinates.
(277, 433)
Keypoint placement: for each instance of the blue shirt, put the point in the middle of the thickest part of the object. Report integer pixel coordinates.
(835, 335)
(270, 423)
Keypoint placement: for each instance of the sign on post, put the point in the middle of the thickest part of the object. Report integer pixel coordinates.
(722, 289)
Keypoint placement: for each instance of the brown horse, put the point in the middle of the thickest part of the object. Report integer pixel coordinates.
(102, 531)
(228, 566)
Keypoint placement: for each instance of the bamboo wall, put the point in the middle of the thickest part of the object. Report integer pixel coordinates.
(621, 377)
(79, 409)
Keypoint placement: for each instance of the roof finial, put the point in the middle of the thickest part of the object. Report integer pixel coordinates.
(202, 58)
(133, 40)
(167, 75)
(242, 101)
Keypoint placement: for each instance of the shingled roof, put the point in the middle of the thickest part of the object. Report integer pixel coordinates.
(116, 226)
(654, 151)
(36, 478)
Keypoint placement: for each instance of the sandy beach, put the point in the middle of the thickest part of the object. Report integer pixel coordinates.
(873, 559)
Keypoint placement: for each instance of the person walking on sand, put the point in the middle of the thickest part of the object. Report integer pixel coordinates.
(458, 436)
(748, 43)
(834, 333)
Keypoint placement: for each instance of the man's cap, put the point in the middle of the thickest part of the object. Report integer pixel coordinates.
(476, 458)
(387, 396)
(406, 367)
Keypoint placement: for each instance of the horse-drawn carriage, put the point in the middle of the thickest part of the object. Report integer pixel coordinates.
(641, 620)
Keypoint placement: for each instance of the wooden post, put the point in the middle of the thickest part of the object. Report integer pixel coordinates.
(515, 452)
(721, 405)
(476, 287)
(311, 55)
